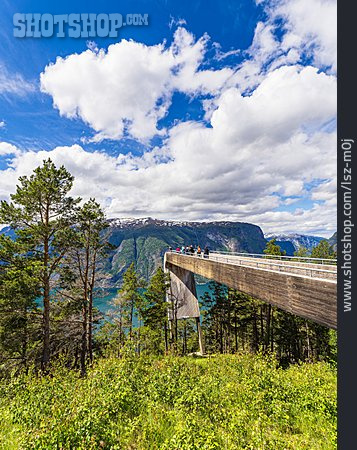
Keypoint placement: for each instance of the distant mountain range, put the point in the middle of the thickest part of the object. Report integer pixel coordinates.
(144, 241)
(292, 242)
(8, 231)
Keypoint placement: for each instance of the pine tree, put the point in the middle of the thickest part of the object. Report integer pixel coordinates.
(41, 213)
(323, 250)
(130, 295)
(154, 309)
(88, 247)
(19, 314)
(273, 249)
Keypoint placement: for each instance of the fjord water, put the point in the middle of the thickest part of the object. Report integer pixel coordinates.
(104, 302)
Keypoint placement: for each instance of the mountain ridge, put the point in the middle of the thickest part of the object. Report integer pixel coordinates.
(144, 241)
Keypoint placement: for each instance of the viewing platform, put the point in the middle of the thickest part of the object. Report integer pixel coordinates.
(306, 287)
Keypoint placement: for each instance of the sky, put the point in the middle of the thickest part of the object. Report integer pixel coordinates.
(213, 111)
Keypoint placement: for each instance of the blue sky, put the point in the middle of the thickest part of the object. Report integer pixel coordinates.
(214, 111)
(33, 120)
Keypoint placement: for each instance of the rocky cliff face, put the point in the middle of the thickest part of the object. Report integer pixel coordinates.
(144, 241)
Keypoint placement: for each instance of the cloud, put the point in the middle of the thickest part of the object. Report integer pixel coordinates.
(14, 83)
(128, 88)
(8, 149)
(326, 192)
(9, 153)
(293, 31)
(319, 221)
(311, 26)
(295, 97)
(258, 150)
(2, 124)
(176, 22)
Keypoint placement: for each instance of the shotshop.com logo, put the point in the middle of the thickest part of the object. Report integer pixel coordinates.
(74, 25)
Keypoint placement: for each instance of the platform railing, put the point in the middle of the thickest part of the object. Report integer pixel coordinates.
(244, 260)
(305, 259)
(326, 261)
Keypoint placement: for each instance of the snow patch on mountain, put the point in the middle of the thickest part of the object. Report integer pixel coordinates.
(130, 222)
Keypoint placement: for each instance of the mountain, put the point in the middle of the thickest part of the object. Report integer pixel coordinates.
(292, 242)
(144, 241)
(333, 241)
(8, 231)
(287, 246)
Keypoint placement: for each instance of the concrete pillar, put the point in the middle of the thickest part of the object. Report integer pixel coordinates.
(184, 295)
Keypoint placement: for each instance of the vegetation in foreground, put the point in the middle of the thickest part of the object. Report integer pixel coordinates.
(224, 402)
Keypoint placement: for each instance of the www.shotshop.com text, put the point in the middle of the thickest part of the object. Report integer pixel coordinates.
(346, 239)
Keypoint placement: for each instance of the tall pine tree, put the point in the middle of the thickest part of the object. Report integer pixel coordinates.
(41, 213)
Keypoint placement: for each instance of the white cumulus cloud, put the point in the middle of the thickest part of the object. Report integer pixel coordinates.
(129, 86)
(258, 150)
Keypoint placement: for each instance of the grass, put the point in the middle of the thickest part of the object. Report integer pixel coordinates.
(223, 402)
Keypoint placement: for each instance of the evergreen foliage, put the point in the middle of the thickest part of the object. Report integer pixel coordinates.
(273, 249)
(323, 250)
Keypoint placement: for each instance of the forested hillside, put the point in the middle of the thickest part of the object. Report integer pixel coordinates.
(144, 241)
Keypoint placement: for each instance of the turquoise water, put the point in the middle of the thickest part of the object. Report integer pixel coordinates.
(103, 303)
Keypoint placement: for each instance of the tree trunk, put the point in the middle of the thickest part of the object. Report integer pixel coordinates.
(46, 299)
(131, 320)
(308, 345)
(120, 332)
(90, 311)
(84, 340)
(25, 341)
(267, 331)
(229, 325)
(255, 332)
(221, 337)
(75, 362)
(235, 330)
(200, 337)
(176, 333)
(90, 327)
(139, 337)
(262, 326)
(46, 326)
(166, 339)
(272, 331)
